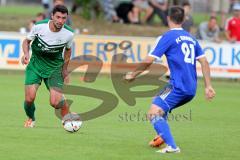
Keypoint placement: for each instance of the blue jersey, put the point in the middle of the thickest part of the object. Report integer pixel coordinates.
(181, 50)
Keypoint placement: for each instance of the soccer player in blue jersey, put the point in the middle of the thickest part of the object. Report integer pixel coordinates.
(182, 51)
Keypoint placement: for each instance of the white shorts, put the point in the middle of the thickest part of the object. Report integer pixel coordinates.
(142, 4)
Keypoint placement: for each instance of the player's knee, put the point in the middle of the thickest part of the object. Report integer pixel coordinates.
(29, 100)
(155, 111)
(53, 103)
(56, 104)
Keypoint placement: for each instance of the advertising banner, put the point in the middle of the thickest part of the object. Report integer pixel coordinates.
(224, 58)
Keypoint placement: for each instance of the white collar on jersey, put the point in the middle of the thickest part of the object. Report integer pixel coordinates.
(177, 28)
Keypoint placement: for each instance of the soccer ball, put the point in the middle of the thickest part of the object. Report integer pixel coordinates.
(72, 125)
(72, 122)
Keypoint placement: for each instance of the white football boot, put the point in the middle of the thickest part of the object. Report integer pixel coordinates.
(29, 123)
(169, 149)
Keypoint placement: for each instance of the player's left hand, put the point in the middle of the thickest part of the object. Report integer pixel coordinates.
(209, 93)
(25, 59)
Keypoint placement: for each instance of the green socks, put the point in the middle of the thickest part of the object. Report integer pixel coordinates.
(30, 109)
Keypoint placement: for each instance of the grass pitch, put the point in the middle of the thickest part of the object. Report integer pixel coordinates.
(203, 130)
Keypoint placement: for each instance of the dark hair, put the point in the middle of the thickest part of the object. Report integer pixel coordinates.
(213, 17)
(177, 14)
(41, 14)
(186, 3)
(60, 8)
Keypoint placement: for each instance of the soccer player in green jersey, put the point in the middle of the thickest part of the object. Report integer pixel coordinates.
(51, 42)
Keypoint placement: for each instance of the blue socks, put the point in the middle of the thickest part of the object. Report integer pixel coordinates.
(162, 128)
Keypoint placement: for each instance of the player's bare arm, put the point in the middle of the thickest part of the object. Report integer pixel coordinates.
(130, 76)
(67, 56)
(25, 46)
(209, 91)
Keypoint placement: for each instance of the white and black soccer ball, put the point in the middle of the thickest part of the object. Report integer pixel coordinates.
(72, 122)
(72, 125)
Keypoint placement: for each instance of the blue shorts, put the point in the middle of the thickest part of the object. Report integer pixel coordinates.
(170, 98)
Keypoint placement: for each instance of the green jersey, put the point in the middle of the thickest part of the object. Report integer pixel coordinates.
(48, 47)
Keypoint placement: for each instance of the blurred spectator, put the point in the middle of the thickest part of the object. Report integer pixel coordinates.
(221, 6)
(233, 25)
(39, 17)
(209, 30)
(188, 23)
(128, 13)
(232, 2)
(30, 25)
(55, 3)
(178, 2)
(143, 6)
(46, 4)
(95, 9)
(89, 9)
(161, 9)
(74, 6)
(110, 12)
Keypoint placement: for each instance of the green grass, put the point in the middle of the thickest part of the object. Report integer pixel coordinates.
(200, 17)
(21, 10)
(211, 133)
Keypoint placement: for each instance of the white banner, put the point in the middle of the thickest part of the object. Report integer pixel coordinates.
(224, 59)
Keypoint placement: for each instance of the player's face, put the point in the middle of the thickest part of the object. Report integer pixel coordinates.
(59, 19)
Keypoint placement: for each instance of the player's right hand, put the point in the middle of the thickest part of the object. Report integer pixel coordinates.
(25, 59)
(209, 93)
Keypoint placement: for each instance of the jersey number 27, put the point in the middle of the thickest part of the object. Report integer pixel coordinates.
(189, 52)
